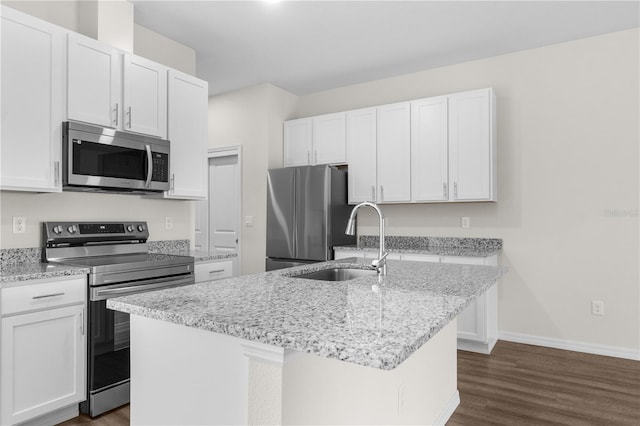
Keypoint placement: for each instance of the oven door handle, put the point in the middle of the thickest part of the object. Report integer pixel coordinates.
(133, 289)
(149, 166)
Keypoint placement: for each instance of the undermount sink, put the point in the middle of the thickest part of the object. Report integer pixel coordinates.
(338, 274)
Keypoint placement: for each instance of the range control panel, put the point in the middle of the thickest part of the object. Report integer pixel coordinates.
(94, 232)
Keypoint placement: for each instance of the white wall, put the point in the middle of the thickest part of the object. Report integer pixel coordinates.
(252, 117)
(172, 53)
(80, 206)
(568, 177)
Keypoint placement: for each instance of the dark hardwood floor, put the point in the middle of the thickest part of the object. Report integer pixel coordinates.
(532, 385)
(523, 385)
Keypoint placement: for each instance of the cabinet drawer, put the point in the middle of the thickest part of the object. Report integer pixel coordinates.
(213, 271)
(43, 295)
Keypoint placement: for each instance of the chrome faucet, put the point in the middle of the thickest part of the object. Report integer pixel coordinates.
(379, 264)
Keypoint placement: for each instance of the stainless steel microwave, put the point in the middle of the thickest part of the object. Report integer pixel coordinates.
(102, 159)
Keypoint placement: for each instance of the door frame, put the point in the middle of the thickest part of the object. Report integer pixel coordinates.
(225, 152)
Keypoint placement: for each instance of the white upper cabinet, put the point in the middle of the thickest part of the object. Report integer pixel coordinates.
(429, 150)
(394, 153)
(144, 96)
(440, 149)
(297, 142)
(188, 135)
(113, 89)
(329, 139)
(472, 146)
(93, 79)
(32, 98)
(315, 140)
(361, 155)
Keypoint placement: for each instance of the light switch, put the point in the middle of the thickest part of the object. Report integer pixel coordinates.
(248, 221)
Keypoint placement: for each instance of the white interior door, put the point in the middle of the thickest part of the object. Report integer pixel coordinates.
(217, 220)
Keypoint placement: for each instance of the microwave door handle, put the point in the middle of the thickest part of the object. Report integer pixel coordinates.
(149, 166)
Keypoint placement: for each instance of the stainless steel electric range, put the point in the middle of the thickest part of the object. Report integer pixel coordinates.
(120, 264)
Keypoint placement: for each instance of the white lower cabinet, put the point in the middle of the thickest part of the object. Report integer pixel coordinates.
(43, 354)
(478, 322)
(215, 270)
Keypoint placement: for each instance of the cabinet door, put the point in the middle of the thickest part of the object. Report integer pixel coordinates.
(32, 100)
(472, 146)
(144, 96)
(472, 321)
(329, 139)
(93, 79)
(394, 153)
(43, 362)
(188, 135)
(429, 150)
(361, 155)
(297, 142)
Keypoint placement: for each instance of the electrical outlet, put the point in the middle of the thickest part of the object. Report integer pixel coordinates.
(168, 222)
(19, 224)
(465, 222)
(597, 307)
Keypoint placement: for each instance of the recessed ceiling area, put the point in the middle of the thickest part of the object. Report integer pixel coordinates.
(309, 46)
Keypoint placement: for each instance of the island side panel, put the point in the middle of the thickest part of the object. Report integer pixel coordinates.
(185, 376)
(421, 390)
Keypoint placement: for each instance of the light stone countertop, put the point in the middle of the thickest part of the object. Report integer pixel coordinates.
(20, 272)
(366, 321)
(17, 265)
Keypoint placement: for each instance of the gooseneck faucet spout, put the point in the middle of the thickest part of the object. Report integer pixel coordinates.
(379, 264)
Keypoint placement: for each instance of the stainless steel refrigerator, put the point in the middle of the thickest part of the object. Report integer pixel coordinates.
(307, 215)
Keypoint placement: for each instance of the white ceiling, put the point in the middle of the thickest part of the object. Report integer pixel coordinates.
(308, 46)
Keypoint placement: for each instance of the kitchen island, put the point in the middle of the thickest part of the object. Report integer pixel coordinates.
(271, 348)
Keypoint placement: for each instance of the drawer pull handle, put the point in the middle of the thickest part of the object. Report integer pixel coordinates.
(217, 270)
(44, 296)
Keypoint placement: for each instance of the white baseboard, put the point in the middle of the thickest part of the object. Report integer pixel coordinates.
(55, 417)
(448, 410)
(570, 345)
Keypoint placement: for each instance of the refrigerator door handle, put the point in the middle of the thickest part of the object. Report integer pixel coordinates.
(294, 243)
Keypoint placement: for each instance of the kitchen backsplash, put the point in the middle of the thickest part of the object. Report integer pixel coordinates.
(421, 243)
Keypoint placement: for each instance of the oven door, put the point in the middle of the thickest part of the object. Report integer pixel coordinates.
(114, 160)
(108, 350)
(108, 366)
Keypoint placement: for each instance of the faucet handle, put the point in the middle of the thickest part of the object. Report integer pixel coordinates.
(381, 261)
